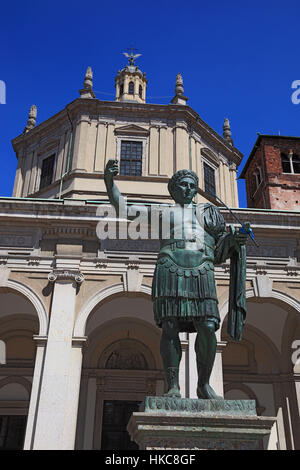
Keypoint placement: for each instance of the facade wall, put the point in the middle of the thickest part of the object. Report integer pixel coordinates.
(70, 301)
(171, 138)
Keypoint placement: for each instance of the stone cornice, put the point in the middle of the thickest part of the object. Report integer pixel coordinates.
(33, 211)
(117, 108)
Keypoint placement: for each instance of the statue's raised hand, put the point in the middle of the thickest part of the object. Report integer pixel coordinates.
(111, 169)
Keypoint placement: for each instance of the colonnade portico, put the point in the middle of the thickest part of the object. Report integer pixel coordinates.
(78, 287)
(58, 374)
(261, 367)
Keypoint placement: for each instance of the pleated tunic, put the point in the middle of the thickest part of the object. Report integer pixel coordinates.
(184, 283)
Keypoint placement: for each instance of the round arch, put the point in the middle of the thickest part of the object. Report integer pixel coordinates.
(80, 325)
(117, 330)
(283, 297)
(142, 354)
(35, 300)
(17, 380)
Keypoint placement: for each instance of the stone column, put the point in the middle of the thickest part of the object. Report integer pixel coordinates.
(58, 400)
(292, 408)
(91, 146)
(60, 157)
(193, 153)
(90, 413)
(222, 184)
(27, 172)
(144, 92)
(117, 90)
(228, 186)
(125, 84)
(100, 147)
(234, 191)
(38, 368)
(19, 176)
(182, 148)
(80, 144)
(198, 166)
(110, 151)
(33, 174)
(163, 153)
(153, 150)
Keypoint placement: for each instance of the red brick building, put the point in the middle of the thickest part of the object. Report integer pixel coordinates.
(272, 173)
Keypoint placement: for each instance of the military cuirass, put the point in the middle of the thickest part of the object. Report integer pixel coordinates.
(189, 244)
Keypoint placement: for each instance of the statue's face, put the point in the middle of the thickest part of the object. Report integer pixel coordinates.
(185, 190)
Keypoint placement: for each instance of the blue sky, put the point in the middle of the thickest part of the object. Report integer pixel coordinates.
(237, 59)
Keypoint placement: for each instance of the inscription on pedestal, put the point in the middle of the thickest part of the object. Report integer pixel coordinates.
(189, 405)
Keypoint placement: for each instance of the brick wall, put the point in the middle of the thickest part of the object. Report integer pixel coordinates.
(277, 190)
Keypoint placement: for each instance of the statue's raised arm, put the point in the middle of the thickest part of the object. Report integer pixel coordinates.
(114, 195)
(116, 199)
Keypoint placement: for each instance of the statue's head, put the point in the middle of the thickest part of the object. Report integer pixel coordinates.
(183, 186)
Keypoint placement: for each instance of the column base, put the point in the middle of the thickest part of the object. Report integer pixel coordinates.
(191, 424)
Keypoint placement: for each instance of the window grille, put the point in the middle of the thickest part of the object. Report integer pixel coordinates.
(131, 88)
(131, 158)
(47, 171)
(209, 180)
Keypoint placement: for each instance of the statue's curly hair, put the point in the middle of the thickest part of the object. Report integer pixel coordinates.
(180, 174)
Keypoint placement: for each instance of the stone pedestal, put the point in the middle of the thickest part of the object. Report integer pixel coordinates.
(191, 424)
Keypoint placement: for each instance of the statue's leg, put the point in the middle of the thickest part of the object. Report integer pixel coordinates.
(205, 348)
(170, 350)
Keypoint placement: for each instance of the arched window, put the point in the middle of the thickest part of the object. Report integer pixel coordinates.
(121, 88)
(140, 91)
(131, 88)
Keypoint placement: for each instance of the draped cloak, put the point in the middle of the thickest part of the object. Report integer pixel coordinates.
(184, 284)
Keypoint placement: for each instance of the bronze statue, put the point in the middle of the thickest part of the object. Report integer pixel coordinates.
(183, 290)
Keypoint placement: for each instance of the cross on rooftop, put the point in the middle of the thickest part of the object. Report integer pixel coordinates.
(132, 57)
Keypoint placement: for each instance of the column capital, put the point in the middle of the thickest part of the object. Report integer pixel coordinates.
(40, 340)
(78, 341)
(65, 275)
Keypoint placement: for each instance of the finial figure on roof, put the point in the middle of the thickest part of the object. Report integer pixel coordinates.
(179, 98)
(131, 57)
(179, 85)
(87, 91)
(31, 118)
(227, 131)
